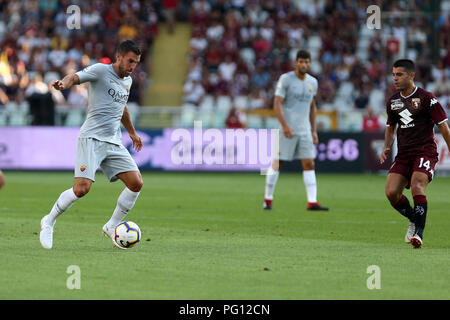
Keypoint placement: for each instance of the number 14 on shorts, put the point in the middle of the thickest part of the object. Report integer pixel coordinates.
(426, 164)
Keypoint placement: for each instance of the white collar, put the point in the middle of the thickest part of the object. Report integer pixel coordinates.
(409, 94)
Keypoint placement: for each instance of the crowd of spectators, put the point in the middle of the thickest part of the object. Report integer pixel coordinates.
(38, 45)
(238, 48)
(242, 47)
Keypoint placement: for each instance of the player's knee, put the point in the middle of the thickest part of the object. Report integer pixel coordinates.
(418, 187)
(81, 190)
(393, 195)
(136, 185)
(277, 164)
(308, 165)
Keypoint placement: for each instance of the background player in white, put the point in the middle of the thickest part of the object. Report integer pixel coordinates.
(99, 140)
(295, 108)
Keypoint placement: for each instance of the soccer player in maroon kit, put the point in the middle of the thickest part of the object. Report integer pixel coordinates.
(413, 112)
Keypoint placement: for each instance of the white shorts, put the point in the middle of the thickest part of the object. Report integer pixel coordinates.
(298, 147)
(111, 158)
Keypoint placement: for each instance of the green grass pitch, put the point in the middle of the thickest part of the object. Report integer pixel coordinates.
(205, 236)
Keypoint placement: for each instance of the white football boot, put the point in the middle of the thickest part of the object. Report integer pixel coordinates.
(410, 232)
(46, 235)
(416, 241)
(109, 232)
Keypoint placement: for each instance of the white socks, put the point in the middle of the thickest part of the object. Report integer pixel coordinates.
(125, 203)
(309, 178)
(271, 181)
(64, 202)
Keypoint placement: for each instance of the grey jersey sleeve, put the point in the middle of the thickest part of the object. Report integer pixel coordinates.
(91, 73)
(315, 87)
(281, 87)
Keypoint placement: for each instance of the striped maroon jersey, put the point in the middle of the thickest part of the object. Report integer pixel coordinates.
(415, 117)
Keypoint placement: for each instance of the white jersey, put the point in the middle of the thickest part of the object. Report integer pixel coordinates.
(108, 95)
(298, 95)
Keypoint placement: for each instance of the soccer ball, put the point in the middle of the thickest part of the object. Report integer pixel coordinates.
(126, 235)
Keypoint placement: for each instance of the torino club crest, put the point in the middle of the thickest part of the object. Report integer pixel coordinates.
(415, 103)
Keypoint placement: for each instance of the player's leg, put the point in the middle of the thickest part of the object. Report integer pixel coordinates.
(423, 171)
(395, 184)
(419, 183)
(306, 153)
(65, 200)
(86, 165)
(287, 149)
(120, 165)
(398, 179)
(310, 181)
(271, 181)
(133, 185)
(2, 179)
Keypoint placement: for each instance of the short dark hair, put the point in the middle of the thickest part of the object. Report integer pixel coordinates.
(405, 63)
(127, 46)
(303, 54)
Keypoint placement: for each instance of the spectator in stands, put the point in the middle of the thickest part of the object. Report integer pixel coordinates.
(3, 97)
(42, 107)
(362, 97)
(260, 78)
(193, 92)
(78, 97)
(371, 121)
(257, 100)
(227, 69)
(170, 7)
(236, 118)
(213, 56)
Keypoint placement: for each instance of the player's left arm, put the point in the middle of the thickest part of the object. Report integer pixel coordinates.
(312, 119)
(445, 131)
(440, 118)
(128, 125)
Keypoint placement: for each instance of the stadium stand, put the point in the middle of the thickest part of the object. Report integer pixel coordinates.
(37, 47)
(259, 40)
(238, 49)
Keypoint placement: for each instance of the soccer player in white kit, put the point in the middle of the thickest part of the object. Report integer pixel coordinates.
(295, 108)
(99, 140)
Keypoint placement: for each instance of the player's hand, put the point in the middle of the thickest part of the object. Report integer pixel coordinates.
(315, 137)
(288, 132)
(57, 84)
(137, 142)
(384, 155)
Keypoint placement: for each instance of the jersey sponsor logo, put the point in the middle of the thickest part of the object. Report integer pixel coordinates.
(396, 104)
(415, 103)
(118, 96)
(433, 101)
(406, 119)
(82, 168)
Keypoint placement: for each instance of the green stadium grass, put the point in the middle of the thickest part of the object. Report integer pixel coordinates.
(205, 236)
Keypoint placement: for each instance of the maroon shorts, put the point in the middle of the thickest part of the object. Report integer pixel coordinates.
(406, 164)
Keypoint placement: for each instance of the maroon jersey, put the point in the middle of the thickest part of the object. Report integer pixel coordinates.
(415, 116)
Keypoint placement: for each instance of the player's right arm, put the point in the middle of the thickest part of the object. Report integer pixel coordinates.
(88, 74)
(280, 93)
(278, 107)
(389, 136)
(67, 82)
